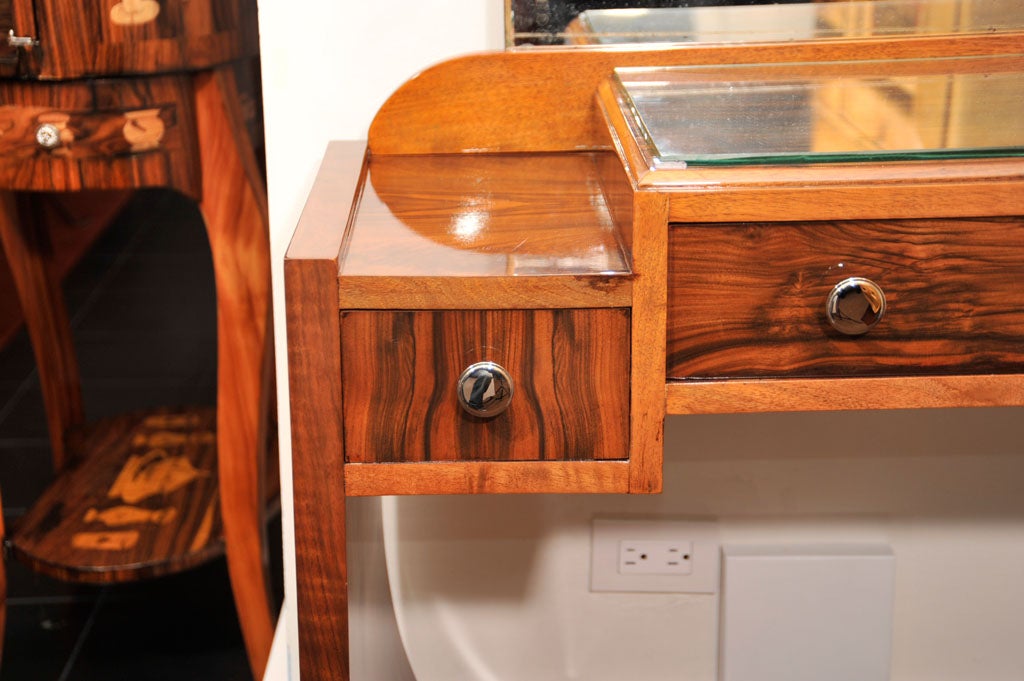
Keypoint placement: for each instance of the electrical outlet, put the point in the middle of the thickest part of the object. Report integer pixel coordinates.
(640, 557)
(667, 556)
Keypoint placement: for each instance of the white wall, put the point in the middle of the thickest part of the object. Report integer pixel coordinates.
(327, 66)
(495, 587)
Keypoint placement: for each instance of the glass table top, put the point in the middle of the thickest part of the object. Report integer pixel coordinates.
(802, 21)
(683, 117)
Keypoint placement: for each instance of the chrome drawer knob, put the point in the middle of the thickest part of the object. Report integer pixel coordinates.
(48, 136)
(485, 389)
(855, 305)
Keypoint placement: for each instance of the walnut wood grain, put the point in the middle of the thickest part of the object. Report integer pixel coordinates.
(123, 37)
(314, 381)
(116, 134)
(74, 222)
(569, 369)
(492, 102)
(29, 254)
(234, 209)
(647, 410)
(483, 231)
(748, 299)
(490, 477)
(137, 499)
(817, 394)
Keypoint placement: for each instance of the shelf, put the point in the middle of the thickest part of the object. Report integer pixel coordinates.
(138, 498)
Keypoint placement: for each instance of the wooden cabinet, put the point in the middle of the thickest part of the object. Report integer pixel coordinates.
(513, 207)
(111, 97)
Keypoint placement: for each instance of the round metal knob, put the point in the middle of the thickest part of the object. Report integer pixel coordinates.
(485, 389)
(855, 305)
(48, 136)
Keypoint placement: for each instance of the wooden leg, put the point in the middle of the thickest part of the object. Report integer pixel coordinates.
(234, 207)
(30, 257)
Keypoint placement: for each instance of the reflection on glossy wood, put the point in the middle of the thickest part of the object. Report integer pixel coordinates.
(569, 370)
(234, 208)
(748, 299)
(80, 529)
(505, 231)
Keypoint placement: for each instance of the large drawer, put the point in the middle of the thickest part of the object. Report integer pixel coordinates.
(569, 371)
(748, 300)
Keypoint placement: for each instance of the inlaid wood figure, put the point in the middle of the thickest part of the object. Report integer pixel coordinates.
(100, 96)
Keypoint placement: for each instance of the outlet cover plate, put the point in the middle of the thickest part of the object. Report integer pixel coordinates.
(608, 535)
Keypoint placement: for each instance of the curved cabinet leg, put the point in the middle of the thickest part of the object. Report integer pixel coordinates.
(30, 256)
(234, 207)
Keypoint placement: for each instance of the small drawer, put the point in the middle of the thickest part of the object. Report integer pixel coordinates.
(109, 134)
(749, 300)
(569, 373)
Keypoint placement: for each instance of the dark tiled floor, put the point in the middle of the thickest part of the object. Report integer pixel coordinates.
(144, 320)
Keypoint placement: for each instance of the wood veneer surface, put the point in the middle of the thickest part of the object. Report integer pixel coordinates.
(138, 498)
(748, 300)
(469, 231)
(569, 369)
(116, 134)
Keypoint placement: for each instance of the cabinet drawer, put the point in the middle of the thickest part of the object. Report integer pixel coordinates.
(570, 384)
(104, 134)
(748, 300)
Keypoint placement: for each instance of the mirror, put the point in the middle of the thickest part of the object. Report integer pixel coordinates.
(531, 23)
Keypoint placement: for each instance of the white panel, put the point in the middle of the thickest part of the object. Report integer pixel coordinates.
(806, 613)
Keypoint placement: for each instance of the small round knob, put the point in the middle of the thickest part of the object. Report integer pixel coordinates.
(855, 305)
(48, 136)
(485, 389)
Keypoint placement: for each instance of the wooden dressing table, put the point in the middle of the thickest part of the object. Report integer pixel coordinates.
(613, 280)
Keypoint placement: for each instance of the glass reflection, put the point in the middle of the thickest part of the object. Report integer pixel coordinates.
(781, 118)
(563, 22)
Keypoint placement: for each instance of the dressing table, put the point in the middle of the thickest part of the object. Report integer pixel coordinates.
(479, 303)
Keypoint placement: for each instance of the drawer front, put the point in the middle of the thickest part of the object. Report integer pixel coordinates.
(570, 382)
(106, 134)
(748, 300)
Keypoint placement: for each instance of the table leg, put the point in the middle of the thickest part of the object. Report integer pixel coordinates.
(30, 257)
(234, 207)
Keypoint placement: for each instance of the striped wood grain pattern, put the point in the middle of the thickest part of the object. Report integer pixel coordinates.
(234, 208)
(138, 499)
(98, 155)
(314, 380)
(487, 477)
(748, 300)
(569, 369)
(492, 102)
(822, 394)
(118, 37)
(483, 231)
(27, 247)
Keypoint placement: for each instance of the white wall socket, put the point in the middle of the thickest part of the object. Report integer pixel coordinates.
(667, 556)
(649, 557)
